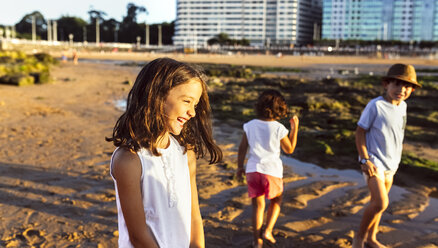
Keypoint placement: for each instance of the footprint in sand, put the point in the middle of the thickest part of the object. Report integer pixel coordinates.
(34, 237)
(413, 203)
(299, 226)
(299, 197)
(30, 237)
(351, 203)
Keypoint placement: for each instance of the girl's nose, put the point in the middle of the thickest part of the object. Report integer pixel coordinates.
(192, 111)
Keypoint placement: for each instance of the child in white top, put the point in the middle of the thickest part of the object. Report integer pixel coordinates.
(379, 138)
(264, 137)
(165, 126)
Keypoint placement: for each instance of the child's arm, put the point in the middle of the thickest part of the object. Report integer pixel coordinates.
(369, 168)
(289, 142)
(127, 172)
(197, 229)
(243, 148)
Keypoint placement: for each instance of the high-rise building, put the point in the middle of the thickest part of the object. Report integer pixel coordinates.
(262, 22)
(404, 20)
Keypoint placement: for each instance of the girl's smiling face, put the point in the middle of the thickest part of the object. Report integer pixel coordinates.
(180, 105)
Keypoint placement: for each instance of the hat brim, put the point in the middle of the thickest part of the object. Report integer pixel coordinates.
(407, 80)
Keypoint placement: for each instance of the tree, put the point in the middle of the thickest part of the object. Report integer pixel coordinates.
(109, 30)
(167, 31)
(71, 25)
(95, 15)
(24, 27)
(129, 28)
(132, 12)
(223, 39)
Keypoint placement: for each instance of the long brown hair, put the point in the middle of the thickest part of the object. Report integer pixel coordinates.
(144, 122)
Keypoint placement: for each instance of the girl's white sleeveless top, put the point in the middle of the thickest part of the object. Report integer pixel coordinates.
(166, 194)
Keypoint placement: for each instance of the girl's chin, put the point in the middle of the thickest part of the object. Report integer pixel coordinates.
(176, 131)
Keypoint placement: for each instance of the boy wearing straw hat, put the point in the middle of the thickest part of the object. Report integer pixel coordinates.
(379, 138)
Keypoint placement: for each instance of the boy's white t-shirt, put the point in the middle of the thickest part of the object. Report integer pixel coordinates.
(166, 195)
(264, 146)
(385, 125)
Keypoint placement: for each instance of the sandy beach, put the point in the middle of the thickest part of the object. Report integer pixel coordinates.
(256, 59)
(56, 191)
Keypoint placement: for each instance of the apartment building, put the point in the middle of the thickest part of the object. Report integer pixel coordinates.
(405, 20)
(262, 22)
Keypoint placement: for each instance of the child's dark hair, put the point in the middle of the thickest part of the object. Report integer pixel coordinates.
(271, 105)
(144, 122)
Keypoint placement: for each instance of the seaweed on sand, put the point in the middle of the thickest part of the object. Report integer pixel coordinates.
(328, 110)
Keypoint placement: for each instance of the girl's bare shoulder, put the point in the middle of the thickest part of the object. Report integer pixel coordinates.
(125, 161)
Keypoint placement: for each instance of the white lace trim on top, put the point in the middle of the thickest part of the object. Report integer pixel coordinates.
(170, 177)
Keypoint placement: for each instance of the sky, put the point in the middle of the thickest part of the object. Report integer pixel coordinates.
(12, 11)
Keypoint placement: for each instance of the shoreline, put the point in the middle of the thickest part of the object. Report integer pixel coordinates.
(254, 60)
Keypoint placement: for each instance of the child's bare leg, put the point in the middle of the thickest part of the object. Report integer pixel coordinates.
(378, 204)
(271, 219)
(258, 209)
(372, 233)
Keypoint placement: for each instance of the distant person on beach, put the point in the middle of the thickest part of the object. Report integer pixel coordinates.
(264, 137)
(165, 127)
(379, 138)
(63, 57)
(75, 57)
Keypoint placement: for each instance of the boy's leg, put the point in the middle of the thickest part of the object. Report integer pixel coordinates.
(378, 203)
(258, 209)
(272, 216)
(372, 233)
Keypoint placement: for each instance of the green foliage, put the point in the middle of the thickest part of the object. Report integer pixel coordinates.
(19, 69)
(24, 26)
(224, 39)
(428, 83)
(324, 147)
(233, 71)
(411, 159)
(72, 25)
(321, 103)
(366, 82)
(214, 82)
(426, 70)
(328, 109)
(17, 80)
(248, 112)
(111, 30)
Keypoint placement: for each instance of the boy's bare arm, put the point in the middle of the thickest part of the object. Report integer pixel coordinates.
(289, 143)
(369, 168)
(243, 148)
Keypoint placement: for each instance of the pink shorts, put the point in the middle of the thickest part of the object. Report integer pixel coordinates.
(262, 184)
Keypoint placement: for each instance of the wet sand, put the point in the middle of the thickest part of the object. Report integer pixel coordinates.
(55, 188)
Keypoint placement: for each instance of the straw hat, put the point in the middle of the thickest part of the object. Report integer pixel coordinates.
(403, 72)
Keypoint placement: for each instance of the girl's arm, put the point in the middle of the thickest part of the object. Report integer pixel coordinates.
(127, 172)
(289, 142)
(369, 168)
(243, 148)
(197, 229)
